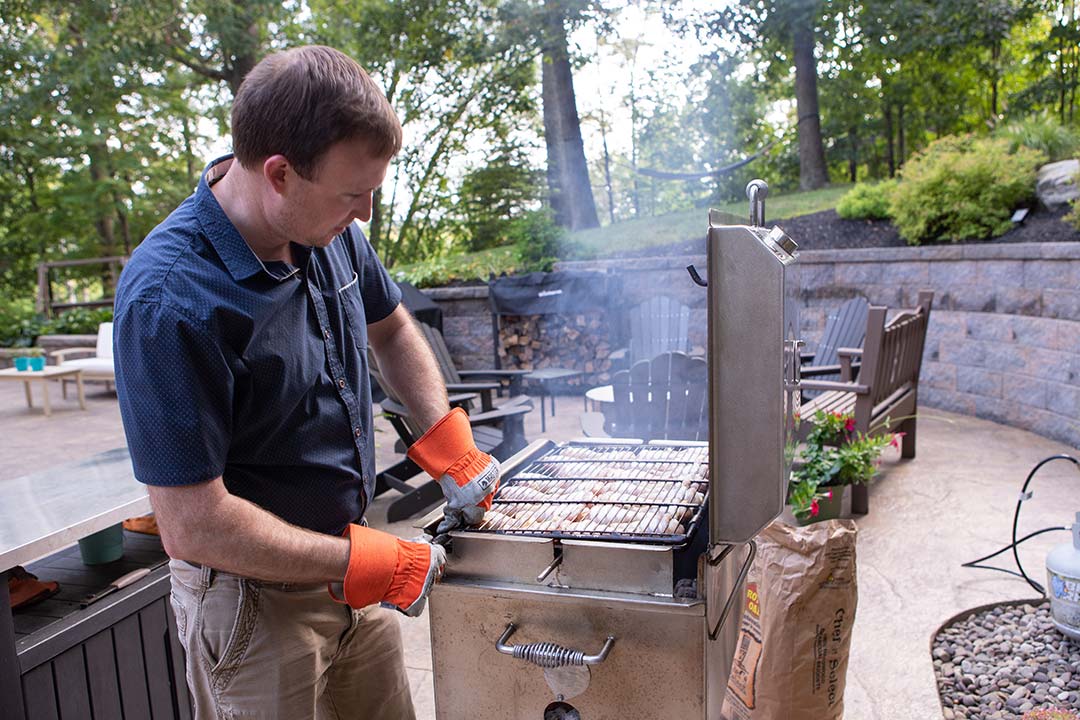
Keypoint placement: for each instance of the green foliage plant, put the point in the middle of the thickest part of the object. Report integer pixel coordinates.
(20, 326)
(867, 201)
(1074, 215)
(835, 455)
(537, 240)
(1041, 133)
(962, 188)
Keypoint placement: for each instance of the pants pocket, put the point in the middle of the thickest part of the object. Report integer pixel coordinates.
(227, 615)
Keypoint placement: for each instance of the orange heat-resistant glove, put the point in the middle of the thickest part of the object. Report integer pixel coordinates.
(468, 477)
(385, 569)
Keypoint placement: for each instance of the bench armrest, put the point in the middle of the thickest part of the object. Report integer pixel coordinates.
(61, 355)
(833, 385)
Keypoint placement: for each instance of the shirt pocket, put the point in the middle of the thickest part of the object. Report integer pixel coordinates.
(352, 307)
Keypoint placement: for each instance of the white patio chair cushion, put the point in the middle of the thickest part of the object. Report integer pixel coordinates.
(93, 367)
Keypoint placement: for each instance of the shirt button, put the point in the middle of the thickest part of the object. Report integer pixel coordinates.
(326, 333)
(341, 383)
(356, 431)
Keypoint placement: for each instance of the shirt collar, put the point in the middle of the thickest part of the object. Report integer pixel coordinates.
(239, 258)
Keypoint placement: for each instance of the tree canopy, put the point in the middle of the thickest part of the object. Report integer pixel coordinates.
(113, 107)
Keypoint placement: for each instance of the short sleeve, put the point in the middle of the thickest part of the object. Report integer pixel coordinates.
(378, 290)
(175, 388)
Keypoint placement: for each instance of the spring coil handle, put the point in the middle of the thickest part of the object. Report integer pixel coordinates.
(549, 654)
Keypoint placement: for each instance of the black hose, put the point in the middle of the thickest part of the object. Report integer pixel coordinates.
(1016, 521)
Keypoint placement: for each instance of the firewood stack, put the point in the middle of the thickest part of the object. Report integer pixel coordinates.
(579, 342)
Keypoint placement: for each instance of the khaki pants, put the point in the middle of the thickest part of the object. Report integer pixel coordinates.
(272, 650)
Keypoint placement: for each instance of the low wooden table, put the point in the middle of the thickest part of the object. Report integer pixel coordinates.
(51, 372)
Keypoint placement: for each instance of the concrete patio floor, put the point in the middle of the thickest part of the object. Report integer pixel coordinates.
(951, 504)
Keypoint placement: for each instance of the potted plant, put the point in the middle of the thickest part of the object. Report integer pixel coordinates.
(834, 456)
(21, 358)
(37, 358)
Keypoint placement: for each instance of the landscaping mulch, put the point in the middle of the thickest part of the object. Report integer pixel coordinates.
(1004, 660)
(826, 230)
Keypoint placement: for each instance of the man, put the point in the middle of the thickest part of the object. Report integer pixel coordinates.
(242, 324)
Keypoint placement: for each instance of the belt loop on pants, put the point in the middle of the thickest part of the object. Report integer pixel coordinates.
(206, 576)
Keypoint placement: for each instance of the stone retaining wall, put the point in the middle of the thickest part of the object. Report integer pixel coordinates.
(1004, 337)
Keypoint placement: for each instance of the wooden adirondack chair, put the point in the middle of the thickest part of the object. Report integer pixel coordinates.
(656, 326)
(665, 398)
(845, 328)
(472, 380)
(500, 432)
(884, 398)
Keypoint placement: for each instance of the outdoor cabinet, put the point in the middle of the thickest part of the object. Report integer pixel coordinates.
(118, 658)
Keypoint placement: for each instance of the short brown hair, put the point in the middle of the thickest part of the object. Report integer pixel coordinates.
(299, 102)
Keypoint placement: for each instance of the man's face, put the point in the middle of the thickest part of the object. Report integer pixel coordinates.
(313, 212)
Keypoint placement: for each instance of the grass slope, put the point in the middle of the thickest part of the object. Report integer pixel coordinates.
(596, 243)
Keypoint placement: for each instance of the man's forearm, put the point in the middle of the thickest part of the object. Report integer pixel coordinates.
(229, 533)
(409, 366)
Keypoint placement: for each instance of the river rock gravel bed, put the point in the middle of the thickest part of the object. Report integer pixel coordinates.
(1001, 662)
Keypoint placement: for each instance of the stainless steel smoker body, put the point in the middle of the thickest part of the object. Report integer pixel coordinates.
(599, 585)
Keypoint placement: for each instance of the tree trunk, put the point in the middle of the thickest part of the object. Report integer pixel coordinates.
(105, 221)
(853, 156)
(995, 58)
(568, 174)
(889, 140)
(375, 228)
(812, 170)
(900, 134)
(607, 168)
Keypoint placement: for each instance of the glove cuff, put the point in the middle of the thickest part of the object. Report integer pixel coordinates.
(373, 558)
(443, 444)
(413, 563)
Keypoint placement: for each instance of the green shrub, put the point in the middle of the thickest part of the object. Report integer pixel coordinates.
(537, 240)
(867, 201)
(962, 188)
(20, 326)
(77, 321)
(1043, 134)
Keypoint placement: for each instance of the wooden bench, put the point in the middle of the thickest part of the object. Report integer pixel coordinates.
(884, 396)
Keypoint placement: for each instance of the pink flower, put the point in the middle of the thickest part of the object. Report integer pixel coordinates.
(850, 424)
(895, 441)
(828, 494)
(814, 509)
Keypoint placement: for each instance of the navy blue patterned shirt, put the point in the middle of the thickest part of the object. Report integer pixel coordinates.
(255, 371)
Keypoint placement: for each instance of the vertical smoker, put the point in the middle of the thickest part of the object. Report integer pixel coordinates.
(600, 582)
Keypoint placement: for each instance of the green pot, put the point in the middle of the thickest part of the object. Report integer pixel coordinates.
(37, 363)
(828, 508)
(104, 546)
(22, 364)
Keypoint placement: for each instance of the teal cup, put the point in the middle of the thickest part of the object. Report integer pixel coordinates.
(37, 363)
(22, 364)
(104, 546)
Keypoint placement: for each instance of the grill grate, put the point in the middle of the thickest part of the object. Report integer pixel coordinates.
(598, 491)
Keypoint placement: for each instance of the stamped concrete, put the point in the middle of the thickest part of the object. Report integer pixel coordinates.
(953, 503)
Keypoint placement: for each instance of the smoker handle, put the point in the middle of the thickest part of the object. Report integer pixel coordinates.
(550, 655)
(715, 631)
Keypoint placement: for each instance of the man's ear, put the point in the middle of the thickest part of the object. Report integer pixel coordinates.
(278, 172)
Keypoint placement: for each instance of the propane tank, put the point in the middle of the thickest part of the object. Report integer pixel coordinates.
(1063, 584)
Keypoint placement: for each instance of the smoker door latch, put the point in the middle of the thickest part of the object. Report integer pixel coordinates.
(714, 632)
(550, 655)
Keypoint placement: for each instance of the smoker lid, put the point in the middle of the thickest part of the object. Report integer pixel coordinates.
(753, 375)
